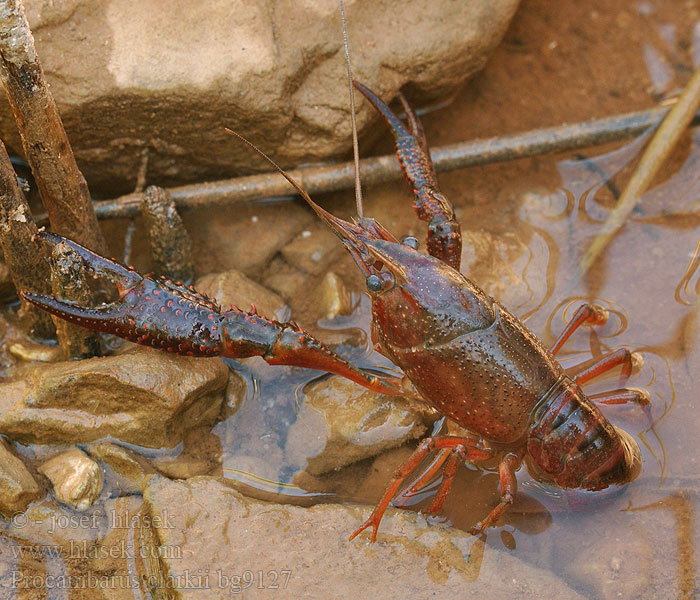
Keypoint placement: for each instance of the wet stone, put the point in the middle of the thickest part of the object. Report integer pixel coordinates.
(143, 396)
(76, 478)
(17, 485)
(132, 468)
(185, 467)
(27, 350)
(341, 422)
(306, 550)
(335, 298)
(202, 451)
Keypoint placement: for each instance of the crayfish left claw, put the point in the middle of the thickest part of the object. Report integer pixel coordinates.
(100, 319)
(157, 313)
(170, 316)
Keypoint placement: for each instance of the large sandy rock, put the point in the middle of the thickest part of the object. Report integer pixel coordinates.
(145, 397)
(169, 75)
(204, 527)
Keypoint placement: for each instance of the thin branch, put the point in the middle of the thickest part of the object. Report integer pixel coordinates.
(62, 187)
(24, 255)
(656, 153)
(380, 169)
(171, 247)
(68, 282)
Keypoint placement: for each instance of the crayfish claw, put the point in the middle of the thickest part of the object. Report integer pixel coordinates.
(96, 265)
(444, 233)
(100, 319)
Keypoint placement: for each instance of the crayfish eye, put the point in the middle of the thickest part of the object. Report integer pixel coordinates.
(410, 241)
(374, 283)
(380, 283)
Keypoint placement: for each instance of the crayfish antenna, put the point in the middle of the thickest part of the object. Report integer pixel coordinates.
(344, 230)
(355, 144)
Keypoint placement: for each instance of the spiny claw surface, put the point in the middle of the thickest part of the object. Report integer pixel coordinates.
(170, 316)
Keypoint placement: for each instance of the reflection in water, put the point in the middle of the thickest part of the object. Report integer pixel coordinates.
(661, 73)
(688, 288)
(255, 439)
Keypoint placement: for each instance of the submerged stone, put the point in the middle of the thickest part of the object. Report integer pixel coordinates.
(229, 540)
(341, 422)
(76, 478)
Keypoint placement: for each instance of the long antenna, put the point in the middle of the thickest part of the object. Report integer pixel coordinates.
(355, 145)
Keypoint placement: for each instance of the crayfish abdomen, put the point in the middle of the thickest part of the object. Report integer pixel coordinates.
(572, 445)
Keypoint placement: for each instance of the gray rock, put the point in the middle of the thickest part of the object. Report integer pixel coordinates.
(201, 526)
(129, 76)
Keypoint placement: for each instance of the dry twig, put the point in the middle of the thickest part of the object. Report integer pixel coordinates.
(656, 153)
(62, 187)
(24, 256)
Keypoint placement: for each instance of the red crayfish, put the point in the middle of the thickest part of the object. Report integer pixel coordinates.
(465, 354)
(475, 362)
